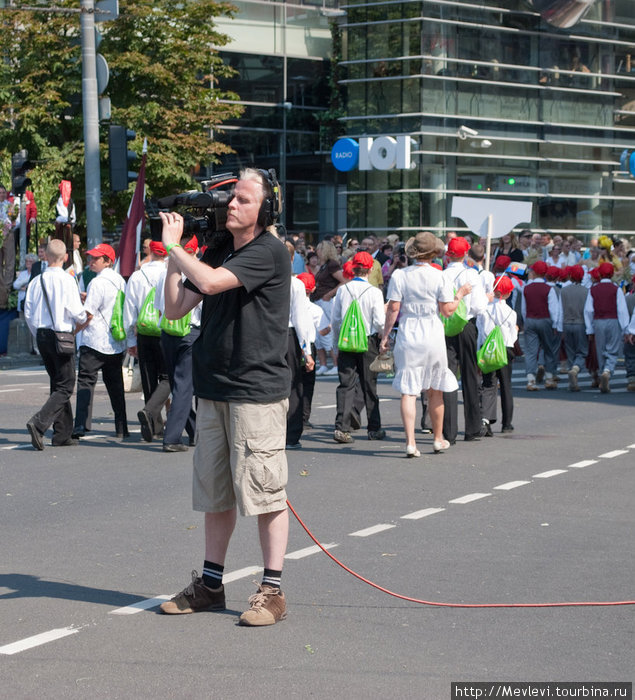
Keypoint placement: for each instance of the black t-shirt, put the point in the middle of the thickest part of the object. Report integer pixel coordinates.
(240, 353)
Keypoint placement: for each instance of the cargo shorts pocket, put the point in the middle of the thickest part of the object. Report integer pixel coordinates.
(265, 467)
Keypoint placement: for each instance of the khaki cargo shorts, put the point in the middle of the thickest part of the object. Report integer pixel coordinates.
(240, 457)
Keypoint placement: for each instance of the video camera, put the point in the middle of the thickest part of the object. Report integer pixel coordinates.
(205, 212)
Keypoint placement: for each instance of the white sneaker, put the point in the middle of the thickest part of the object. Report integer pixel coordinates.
(331, 371)
(322, 369)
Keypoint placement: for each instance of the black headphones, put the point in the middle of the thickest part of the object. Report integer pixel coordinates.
(271, 207)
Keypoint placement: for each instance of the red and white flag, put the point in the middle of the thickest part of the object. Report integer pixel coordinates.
(130, 243)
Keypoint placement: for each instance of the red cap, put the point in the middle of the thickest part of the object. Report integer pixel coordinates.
(503, 285)
(595, 274)
(347, 269)
(192, 244)
(502, 262)
(576, 273)
(363, 259)
(606, 270)
(458, 247)
(553, 273)
(307, 280)
(540, 268)
(158, 248)
(102, 249)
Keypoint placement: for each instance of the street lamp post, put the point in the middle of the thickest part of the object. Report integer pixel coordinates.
(90, 106)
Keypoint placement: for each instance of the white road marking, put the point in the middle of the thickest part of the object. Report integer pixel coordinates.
(614, 453)
(511, 485)
(422, 513)
(37, 640)
(141, 605)
(583, 463)
(630, 447)
(469, 498)
(242, 573)
(371, 530)
(307, 551)
(549, 474)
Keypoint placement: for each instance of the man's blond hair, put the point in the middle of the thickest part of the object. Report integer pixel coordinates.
(55, 250)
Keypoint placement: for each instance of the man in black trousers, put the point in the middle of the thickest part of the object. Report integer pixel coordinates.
(52, 303)
(462, 348)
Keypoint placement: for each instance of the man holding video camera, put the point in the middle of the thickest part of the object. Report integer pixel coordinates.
(242, 382)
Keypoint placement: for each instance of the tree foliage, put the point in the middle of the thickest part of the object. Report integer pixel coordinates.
(164, 71)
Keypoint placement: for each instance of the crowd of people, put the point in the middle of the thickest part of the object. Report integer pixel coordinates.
(573, 321)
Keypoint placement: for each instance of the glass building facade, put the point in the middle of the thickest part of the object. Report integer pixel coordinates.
(495, 102)
(548, 113)
(281, 53)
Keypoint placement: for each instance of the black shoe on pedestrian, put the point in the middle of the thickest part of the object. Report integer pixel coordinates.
(175, 447)
(475, 436)
(37, 438)
(507, 429)
(78, 432)
(376, 434)
(487, 430)
(69, 442)
(146, 427)
(192, 442)
(356, 421)
(293, 446)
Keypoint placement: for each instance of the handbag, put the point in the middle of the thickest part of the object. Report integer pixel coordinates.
(131, 375)
(383, 363)
(64, 340)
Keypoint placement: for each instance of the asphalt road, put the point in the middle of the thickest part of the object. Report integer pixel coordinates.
(94, 535)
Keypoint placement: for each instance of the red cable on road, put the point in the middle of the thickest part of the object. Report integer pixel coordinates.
(453, 605)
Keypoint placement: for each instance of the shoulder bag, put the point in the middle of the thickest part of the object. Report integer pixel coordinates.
(64, 340)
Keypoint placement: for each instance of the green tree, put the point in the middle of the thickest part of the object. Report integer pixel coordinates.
(164, 71)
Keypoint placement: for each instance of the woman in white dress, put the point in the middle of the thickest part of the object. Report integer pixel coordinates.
(419, 292)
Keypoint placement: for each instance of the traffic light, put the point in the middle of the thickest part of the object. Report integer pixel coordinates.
(20, 165)
(120, 158)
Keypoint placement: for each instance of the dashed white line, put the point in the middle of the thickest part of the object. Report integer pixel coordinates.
(469, 498)
(37, 640)
(307, 551)
(242, 573)
(630, 447)
(417, 514)
(511, 485)
(614, 453)
(141, 605)
(549, 474)
(371, 530)
(583, 463)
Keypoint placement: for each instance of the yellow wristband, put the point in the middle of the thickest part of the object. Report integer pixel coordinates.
(169, 247)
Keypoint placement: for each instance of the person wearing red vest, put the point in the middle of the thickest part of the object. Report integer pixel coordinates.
(606, 316)
(541, 313)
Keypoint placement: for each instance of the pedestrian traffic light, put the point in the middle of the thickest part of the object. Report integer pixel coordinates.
(20, 165)
(120, 158)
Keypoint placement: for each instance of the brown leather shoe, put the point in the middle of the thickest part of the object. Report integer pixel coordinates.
(268, 606)
(196, 597)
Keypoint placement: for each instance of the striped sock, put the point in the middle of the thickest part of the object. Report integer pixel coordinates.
(212, 574)
(270, 577)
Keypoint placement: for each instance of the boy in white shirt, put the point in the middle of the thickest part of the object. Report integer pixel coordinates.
(498, 313)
